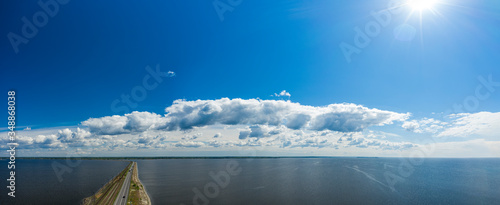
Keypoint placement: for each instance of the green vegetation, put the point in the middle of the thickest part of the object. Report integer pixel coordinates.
(137, 195)
(134, 196)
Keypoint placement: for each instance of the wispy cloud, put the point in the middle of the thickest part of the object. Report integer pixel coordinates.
(482, 124)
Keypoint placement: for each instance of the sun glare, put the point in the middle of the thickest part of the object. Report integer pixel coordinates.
(420, 5)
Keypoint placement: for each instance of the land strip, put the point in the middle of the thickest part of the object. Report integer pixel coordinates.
(109, 192)
(137, 194)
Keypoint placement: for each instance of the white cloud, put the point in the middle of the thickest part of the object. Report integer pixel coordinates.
(412, 126)
(369, 140)
(186, 115)
(170, 73)
(215, 143)
(66, 135)
(192, 144)
(336, 117)
(192, 137)
(109, 125)
(483, 125)
(283, 141)
(429, 125)
(61, 140)
(259, 131)
(223, 124)
(283, 94)
(297, 121)
(129, 123)
(308, 142)
(47, 141)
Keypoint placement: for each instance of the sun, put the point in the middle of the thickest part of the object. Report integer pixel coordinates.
(420, 5)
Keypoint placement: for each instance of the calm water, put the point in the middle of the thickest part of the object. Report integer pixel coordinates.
(37, 183)
(324, 181)
(270, 181)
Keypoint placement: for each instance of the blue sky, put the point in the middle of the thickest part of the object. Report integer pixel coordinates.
(91, 53)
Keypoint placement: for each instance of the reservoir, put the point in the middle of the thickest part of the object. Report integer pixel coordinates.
(324, 181)
(342, 180)
(37, 182)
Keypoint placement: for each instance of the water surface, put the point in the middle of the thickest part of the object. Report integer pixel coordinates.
(37, 182)
(325, 181)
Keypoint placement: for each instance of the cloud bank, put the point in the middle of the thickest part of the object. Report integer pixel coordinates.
(225, 124)
(186, 115)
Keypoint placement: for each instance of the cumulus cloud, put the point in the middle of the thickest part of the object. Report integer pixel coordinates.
(253, 122)
(68, 136)
(308, 142)
(63, 139)
(335, 117)
(384, 145)
(283, 94)
(412, 126)
(352, 118)
(244, 134)
(193, 144)
(258, 131)
(361, 141)
(220, 143)
(428, 125)
(47, 141)
(39, 141)
(192, 137)
(109, 125)
(144, 140)
(297, 121)
(185, 115)
(129, 123)
(251, 136)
